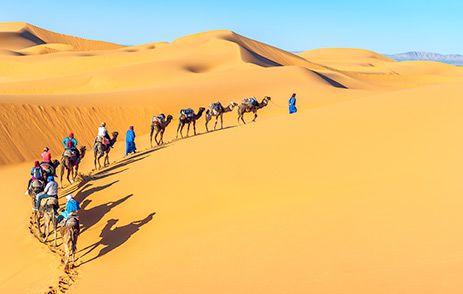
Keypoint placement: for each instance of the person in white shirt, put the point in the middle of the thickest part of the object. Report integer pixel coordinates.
(51, 190)
(103, 133)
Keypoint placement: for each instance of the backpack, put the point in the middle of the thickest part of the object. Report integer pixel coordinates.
(69, 143)
(37, 172)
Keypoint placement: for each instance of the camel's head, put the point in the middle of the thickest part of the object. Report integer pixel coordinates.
(82, 150)
(266, 100)
(115, 134)
(55, 163)
(201, 110)
(233, 104)
(170, 117)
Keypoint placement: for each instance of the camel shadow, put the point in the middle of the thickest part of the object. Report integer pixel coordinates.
(131, 159)
(201, 134)
(112, 238)
(90, 217)
(85, 192)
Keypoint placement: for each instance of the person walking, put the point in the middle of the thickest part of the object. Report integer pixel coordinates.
(130, 141)
(292, 104)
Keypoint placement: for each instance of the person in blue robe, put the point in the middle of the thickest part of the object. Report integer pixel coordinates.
(130, 141)
(292, 104)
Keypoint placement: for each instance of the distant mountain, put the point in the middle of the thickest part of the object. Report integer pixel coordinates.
(454, 59)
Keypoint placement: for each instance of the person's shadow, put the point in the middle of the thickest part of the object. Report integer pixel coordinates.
(112, 238)
(92, 216)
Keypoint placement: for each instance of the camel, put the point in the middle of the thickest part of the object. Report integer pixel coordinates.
(100, 150)
(70, 232)
(35, 188)
(70, 163)
(159, 126)
(245, 106)
(187, 116)
(216, 109)
(50, 167)
(49, 217)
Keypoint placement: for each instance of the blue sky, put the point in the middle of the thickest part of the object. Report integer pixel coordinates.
(384, 26)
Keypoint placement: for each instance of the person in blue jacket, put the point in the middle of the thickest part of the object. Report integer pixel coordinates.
(292, 104)
(72, 206)
(130, 141)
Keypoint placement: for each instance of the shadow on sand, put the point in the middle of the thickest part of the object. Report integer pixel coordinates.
(113, 236)
(90, 217)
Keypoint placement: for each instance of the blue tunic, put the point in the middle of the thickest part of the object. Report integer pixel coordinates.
(292, 105)
(130, 142)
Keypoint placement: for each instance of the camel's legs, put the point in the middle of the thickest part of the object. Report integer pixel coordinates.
(180, 129)
(76, 172)
(208, 118)
(161, 140)
(255, 116)
(188, 129)
(194, 126)
(221, 120)
(61, 173)
(242, 118)
(151, 136)
(156, 138)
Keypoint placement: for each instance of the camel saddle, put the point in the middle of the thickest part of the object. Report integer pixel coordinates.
(69, 153)
(216, 106)
(158, 119)
(52, 201)
(102, 140)
(48, 167)
(187, 112)
(250, 101)
(36, 184)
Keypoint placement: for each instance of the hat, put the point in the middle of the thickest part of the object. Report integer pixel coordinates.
(69, 197)
(36, 163)
(103, 124)
(50, 178)
(71, 135)
(45, 149)
(131, 128)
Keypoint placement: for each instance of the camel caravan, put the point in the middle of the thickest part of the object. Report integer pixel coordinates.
(47, 217)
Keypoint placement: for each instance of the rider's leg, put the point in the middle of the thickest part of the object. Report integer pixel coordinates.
(39, 198)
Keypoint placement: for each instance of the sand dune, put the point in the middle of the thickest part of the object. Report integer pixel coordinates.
(356, 193)
(20, 36)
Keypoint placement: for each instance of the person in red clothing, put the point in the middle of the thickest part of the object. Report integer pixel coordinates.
(46, 155)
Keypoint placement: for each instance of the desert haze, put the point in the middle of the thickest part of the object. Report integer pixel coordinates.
(360, 191)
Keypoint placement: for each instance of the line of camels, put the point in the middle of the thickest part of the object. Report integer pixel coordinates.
(70, 231)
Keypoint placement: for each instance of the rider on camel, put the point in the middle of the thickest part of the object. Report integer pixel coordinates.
(37, 173)
(70, 143)
(46, 155)
(72, 206)
(103, 135)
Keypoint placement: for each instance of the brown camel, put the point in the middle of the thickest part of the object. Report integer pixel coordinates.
(35, 188)
(71, 164)
(249, 106)
(216, 109)
(70, 232)
(187, 116)
(100, 150)
(159, 125)
(49, 218)
(50, 167)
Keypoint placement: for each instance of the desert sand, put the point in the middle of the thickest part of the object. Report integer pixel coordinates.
(359, 192)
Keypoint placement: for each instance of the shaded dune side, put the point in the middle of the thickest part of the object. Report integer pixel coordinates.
(50, 124)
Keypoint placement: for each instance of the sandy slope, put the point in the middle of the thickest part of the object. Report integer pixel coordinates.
(359, 192)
